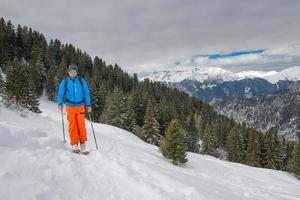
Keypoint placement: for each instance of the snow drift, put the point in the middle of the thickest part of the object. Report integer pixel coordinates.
(36, 165)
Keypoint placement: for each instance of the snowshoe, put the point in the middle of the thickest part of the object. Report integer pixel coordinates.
(85, 153)
(75, 149)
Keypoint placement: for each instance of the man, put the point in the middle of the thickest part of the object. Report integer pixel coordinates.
(74, 92)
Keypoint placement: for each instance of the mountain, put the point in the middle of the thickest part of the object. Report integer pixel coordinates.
(199, 74)
(207, 74)
(35, 164)
(292, 74)
(212, 84)
(279, 111)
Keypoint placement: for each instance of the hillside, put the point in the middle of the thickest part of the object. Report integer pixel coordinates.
(280, 111)
(36, 165)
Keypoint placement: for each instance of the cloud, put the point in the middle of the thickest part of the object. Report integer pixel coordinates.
(275, 59)
(154, 33)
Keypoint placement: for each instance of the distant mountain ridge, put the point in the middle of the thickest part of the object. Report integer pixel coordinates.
(211, 84)
(204, 74)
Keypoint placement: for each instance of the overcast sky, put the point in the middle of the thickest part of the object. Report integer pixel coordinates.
(148, 35)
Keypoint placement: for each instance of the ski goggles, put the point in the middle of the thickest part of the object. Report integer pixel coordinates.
(73, 72)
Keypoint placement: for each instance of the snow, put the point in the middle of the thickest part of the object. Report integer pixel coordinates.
(292, 74)
(255, 74)
(200, 74)
(35, 164)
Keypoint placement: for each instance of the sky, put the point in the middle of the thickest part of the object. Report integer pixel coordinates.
(161, 34)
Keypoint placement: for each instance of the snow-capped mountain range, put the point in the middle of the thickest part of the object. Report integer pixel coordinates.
(204, 74)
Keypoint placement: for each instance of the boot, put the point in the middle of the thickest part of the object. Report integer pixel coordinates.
(83, 149)
(75, 149)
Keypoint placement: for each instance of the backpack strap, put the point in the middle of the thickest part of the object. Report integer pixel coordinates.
(81, 84)
(66, 87)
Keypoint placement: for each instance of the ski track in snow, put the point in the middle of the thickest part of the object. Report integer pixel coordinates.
(35, 164)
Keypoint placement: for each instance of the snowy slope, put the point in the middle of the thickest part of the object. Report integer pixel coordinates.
(36, 165)
(255, 74)
(292, 74)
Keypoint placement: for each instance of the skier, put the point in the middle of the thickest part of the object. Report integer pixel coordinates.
(74, 92)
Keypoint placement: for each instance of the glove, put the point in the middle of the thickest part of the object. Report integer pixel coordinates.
(60, 107)
(89, 109)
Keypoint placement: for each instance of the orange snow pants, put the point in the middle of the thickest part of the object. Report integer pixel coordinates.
(76, 119)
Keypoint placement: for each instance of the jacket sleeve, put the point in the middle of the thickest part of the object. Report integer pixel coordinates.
(87, 95)
(61, 92)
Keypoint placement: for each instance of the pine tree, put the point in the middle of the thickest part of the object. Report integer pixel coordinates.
(172, 146)
(268, 156)
(289, 148)
(51, 84)
(37, 72)
(294, 163)
(235, 145)
(98, 95)
(1, 82)
(130, 120)
(139, 107)
(19, 43)
(164, 114)
(253, 153)
(61, 71)
(278, 152)
(7, 43)
(192, 136)
(19, 84)
(31, 101)
(151, 126)
(16, 82)
(115, 109)
(209, 141)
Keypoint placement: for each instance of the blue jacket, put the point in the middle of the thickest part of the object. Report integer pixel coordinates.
(75, 94)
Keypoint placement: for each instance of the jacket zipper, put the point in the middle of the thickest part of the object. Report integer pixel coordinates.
(74, 91)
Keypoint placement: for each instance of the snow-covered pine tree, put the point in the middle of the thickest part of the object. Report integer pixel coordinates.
(151, 133)
(16, 82)
(31, 101)
(209, 141)
(172, 145)
(294, 163)
(130, 120)
(19, 84)
(192, 136)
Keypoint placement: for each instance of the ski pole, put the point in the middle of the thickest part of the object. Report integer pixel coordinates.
(63, 125)
(93, 131)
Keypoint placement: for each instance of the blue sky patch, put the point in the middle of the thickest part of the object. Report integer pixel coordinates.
(232, 54)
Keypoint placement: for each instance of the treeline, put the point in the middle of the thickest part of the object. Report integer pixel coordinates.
(159, 115)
